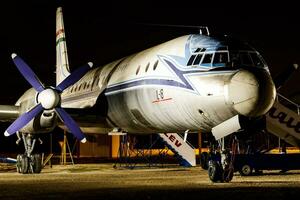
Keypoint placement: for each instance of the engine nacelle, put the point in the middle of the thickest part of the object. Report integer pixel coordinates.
(42, 123)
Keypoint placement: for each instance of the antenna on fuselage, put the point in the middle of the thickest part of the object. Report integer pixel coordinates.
(203, 30)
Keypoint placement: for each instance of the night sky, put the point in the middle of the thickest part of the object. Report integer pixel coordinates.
(102, 33)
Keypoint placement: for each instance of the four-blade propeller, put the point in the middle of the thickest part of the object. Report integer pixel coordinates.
(47, 98)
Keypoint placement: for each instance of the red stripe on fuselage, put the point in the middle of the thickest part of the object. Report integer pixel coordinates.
(157, 101)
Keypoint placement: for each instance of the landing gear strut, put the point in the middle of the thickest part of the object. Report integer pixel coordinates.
(28, 162)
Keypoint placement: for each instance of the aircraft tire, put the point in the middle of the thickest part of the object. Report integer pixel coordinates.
(227, 175)
(19, 164)
(214, 171)
(24, 164)
(37, 163)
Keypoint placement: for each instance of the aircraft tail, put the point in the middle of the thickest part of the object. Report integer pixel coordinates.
(62, 62)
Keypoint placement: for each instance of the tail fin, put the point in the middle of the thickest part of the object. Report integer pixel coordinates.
(62, 63)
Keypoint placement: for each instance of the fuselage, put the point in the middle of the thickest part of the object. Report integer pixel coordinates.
(193, 82)
(178, 85)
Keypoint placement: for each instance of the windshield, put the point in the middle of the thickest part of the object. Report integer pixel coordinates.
(224, 58)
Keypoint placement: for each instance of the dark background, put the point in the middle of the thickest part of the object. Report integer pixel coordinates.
(102, 31)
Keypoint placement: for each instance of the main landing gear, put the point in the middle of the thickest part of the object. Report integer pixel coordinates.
(28, 162)
(221, 165)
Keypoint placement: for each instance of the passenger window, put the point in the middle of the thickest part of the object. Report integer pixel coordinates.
(137, 70)
(197, 59)
(221, 58)
(207, 58)
(147, 67)
(96, 82)
(155, 65)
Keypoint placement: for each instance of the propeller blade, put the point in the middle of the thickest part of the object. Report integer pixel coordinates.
(71, 124)
(23, 120)
(28, 74)
(74, 77)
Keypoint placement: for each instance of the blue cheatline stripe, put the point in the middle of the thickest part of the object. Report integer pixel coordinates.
(160, 82)
(181, 74)
(146, 82)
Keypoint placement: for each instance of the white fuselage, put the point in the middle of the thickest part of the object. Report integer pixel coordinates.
(155, 91)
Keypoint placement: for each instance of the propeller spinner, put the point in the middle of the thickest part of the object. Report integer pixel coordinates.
(48, 98)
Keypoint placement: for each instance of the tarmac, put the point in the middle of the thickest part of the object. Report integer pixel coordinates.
(102, 181)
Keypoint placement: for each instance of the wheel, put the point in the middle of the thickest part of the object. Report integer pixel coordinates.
(227, 175)
(18, 164)
(37, 163)
(24, 164)
(214, 171)
(204, 160)
(246, 170)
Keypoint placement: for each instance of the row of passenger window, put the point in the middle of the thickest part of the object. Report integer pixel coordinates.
(84, 86)
(147, 67)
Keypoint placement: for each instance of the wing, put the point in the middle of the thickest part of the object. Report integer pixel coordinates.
(9, 113)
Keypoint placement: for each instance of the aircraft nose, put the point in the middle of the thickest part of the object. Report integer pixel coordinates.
(251, 93)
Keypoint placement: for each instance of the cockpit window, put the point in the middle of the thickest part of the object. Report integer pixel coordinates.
(220, 58)
(197, 50)
(225, 57)
(256, 60)
(234, 57)
(246, 60)
(190, 62)
(207, 58)
(197, 59)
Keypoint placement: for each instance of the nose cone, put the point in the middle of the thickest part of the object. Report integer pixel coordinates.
(252, 93)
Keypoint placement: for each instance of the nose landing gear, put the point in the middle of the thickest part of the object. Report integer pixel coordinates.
(221, 165)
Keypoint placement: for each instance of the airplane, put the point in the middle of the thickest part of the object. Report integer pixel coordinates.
(193, 82)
